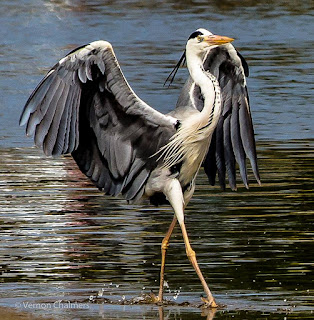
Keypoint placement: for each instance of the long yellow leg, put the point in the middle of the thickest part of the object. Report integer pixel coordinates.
(164, 247)
(192, 257)
(173, 192)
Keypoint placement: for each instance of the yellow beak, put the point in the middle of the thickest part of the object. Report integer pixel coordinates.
(217, 40)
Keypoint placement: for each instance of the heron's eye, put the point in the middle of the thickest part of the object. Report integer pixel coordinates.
(200, 38)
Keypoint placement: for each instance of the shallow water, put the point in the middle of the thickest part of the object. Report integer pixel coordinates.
(61, 240)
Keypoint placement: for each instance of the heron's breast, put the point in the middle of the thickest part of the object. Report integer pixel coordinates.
(192, 161)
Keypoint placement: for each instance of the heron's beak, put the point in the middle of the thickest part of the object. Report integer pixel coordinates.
(217, 40)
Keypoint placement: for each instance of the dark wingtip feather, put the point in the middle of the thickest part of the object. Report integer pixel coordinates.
(256, 173)
(228, 153)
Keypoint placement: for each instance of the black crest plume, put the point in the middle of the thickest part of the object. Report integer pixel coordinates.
(182, 60)
(173, 73)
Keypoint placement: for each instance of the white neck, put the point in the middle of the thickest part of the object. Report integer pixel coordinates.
(208, 83)
(190, 143)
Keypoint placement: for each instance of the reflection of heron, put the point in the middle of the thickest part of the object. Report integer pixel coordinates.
(85, 106)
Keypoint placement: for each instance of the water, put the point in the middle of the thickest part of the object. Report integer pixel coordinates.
(62, 240)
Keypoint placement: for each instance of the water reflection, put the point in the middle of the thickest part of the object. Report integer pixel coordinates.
(208, 314)
(254, 246)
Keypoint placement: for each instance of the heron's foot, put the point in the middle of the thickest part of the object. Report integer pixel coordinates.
(155, 299)
(209, 302)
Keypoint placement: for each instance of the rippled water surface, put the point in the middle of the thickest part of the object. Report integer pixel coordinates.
(63, 242)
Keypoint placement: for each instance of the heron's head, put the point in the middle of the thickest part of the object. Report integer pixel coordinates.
(202, 40)
(199, 42)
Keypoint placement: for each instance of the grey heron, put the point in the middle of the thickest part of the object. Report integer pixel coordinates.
(85, 106)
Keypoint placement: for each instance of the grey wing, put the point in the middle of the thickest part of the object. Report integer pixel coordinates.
(84, 106)
(233, 140)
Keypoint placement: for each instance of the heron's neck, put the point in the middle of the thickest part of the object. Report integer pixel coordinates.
(209, 85)
(189, 145)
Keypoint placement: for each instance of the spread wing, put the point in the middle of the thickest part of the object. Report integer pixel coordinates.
(233, 139)
(84, 106)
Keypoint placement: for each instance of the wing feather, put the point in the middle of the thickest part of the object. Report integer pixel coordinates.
(85, 106)
(62, 140)
(70, 105)
(219, 153)
(228, 153)
(52, 134)
(35, 98)
(237, 142)
(37, 108)
(47, 113)
(73, 125)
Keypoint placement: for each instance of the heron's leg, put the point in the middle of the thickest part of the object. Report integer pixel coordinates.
(174, 194)
(164, 247)
(192, 257)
